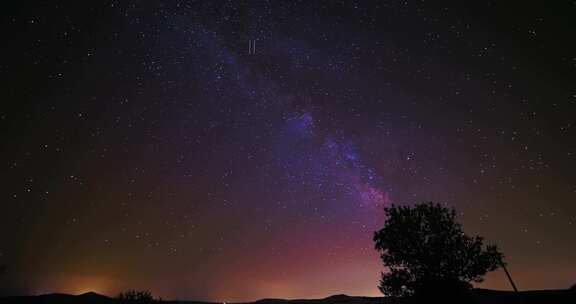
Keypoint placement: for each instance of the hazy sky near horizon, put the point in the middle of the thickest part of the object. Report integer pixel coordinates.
(147, 146)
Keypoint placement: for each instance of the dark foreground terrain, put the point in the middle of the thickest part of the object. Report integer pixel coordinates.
(483, 296)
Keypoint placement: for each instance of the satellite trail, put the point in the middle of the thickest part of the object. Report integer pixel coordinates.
(252, 47)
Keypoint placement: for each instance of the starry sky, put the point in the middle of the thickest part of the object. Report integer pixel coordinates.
(144, 146)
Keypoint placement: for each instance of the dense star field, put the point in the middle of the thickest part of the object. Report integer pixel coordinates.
(144, 145)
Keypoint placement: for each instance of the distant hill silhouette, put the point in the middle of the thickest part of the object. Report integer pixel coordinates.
(335, 299)
(483, 296)
(86, 298)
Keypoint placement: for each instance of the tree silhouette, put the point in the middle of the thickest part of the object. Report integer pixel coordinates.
(133, 296)
(427, 253)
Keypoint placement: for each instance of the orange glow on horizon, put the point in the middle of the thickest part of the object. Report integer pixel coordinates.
(77, 285)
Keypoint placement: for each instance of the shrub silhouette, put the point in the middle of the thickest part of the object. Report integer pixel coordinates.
(133, 296)
(428, 255)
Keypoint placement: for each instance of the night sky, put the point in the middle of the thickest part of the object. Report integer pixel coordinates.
(144, 146)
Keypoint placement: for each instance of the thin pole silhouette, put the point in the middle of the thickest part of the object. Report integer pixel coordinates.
(509, 278)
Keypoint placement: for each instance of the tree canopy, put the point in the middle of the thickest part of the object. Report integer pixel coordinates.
(425, 247)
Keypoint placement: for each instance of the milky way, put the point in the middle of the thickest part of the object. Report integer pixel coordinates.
(145, 146)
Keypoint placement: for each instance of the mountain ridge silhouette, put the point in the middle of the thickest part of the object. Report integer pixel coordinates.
(557, 296)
